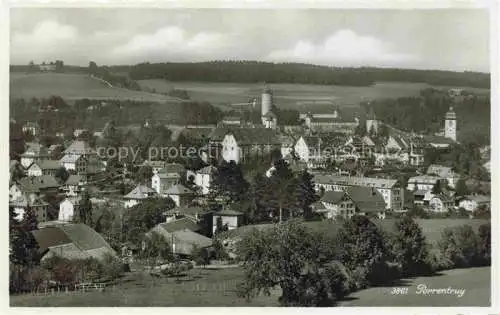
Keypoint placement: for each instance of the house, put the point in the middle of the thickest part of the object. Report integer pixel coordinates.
(139, 193)
(270, 120)
(77, 163)
(161, 182)
(45, 184)
(309, 149)
(227, 217)
(422, 182)
(71, 241)
(296, 166)
(73, 185)
(390, 189)
(68, 208)
(47, 67)
(174, 168)
(439, 142)
(444, 173)
(473, 202)
(34, 152)
(231, 120)
(31, 127)
(156, 166)
(203, 178)
(239, 144)
(79, 148)
(79, 132)
(440, 204)
(422, 197)
(199, 215)
(333, 122)
(33, 201)
(182, 235)
(55, 151)
(368, 201)
(181, 195)
(487, 166)
(417, 150)
(44, 167)
(334, 204)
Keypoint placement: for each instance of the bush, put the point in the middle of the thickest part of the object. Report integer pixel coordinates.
(484, 234)
(363, 244)
(410, 248)
(112, 267)
(338, 279)
(460, 247)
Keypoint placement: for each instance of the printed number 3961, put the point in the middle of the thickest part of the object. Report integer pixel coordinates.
(399, 291)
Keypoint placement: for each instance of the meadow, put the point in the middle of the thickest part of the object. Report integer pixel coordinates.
(217, 287)
(303, 97)
(212, 288)
(72, 87)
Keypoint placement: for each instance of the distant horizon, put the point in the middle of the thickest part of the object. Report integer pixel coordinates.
(256, 61)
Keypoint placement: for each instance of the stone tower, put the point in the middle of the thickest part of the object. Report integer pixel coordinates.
(450, 125)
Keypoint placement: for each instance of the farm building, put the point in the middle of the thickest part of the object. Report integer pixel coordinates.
(181, 195)
(71, 241)
(139, 193)
(227, 217)
(182, 235)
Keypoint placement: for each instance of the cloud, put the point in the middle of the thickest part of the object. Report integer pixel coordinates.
(344, 48)
(174, 42)
(47, 38)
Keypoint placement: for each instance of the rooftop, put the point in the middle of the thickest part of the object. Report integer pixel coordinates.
(179, 189)
(140, 192)
(354, 181)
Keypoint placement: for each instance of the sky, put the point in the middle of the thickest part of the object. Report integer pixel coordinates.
(444, 39)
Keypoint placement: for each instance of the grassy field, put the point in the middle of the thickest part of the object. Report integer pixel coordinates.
(198, 288)
(431, 228)
(475, 281)
(73, 86)
(318, 98)
(211, 288)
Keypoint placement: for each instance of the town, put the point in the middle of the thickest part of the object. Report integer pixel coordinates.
(186, 202)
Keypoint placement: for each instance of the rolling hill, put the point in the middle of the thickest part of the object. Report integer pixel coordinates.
(74, 86)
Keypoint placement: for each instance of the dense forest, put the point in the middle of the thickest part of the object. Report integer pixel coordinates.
(256, 72)
(253, 72)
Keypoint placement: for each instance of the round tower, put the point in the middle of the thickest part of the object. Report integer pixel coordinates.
(450, 124)
(267, 101)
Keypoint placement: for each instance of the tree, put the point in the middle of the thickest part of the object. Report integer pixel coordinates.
(460, 247)
(61, 175)
(484, 234)
(291, 257)
(144, 174)
(410, 247)
(283, 191)
(228, 183)
(201, 256)
(461, 188)
(85, 210)
(306, 193)
(156, 247)
(144, 216)
(363, 247)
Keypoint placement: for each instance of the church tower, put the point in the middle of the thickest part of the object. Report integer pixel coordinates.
(371, 122)
(450, 125)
